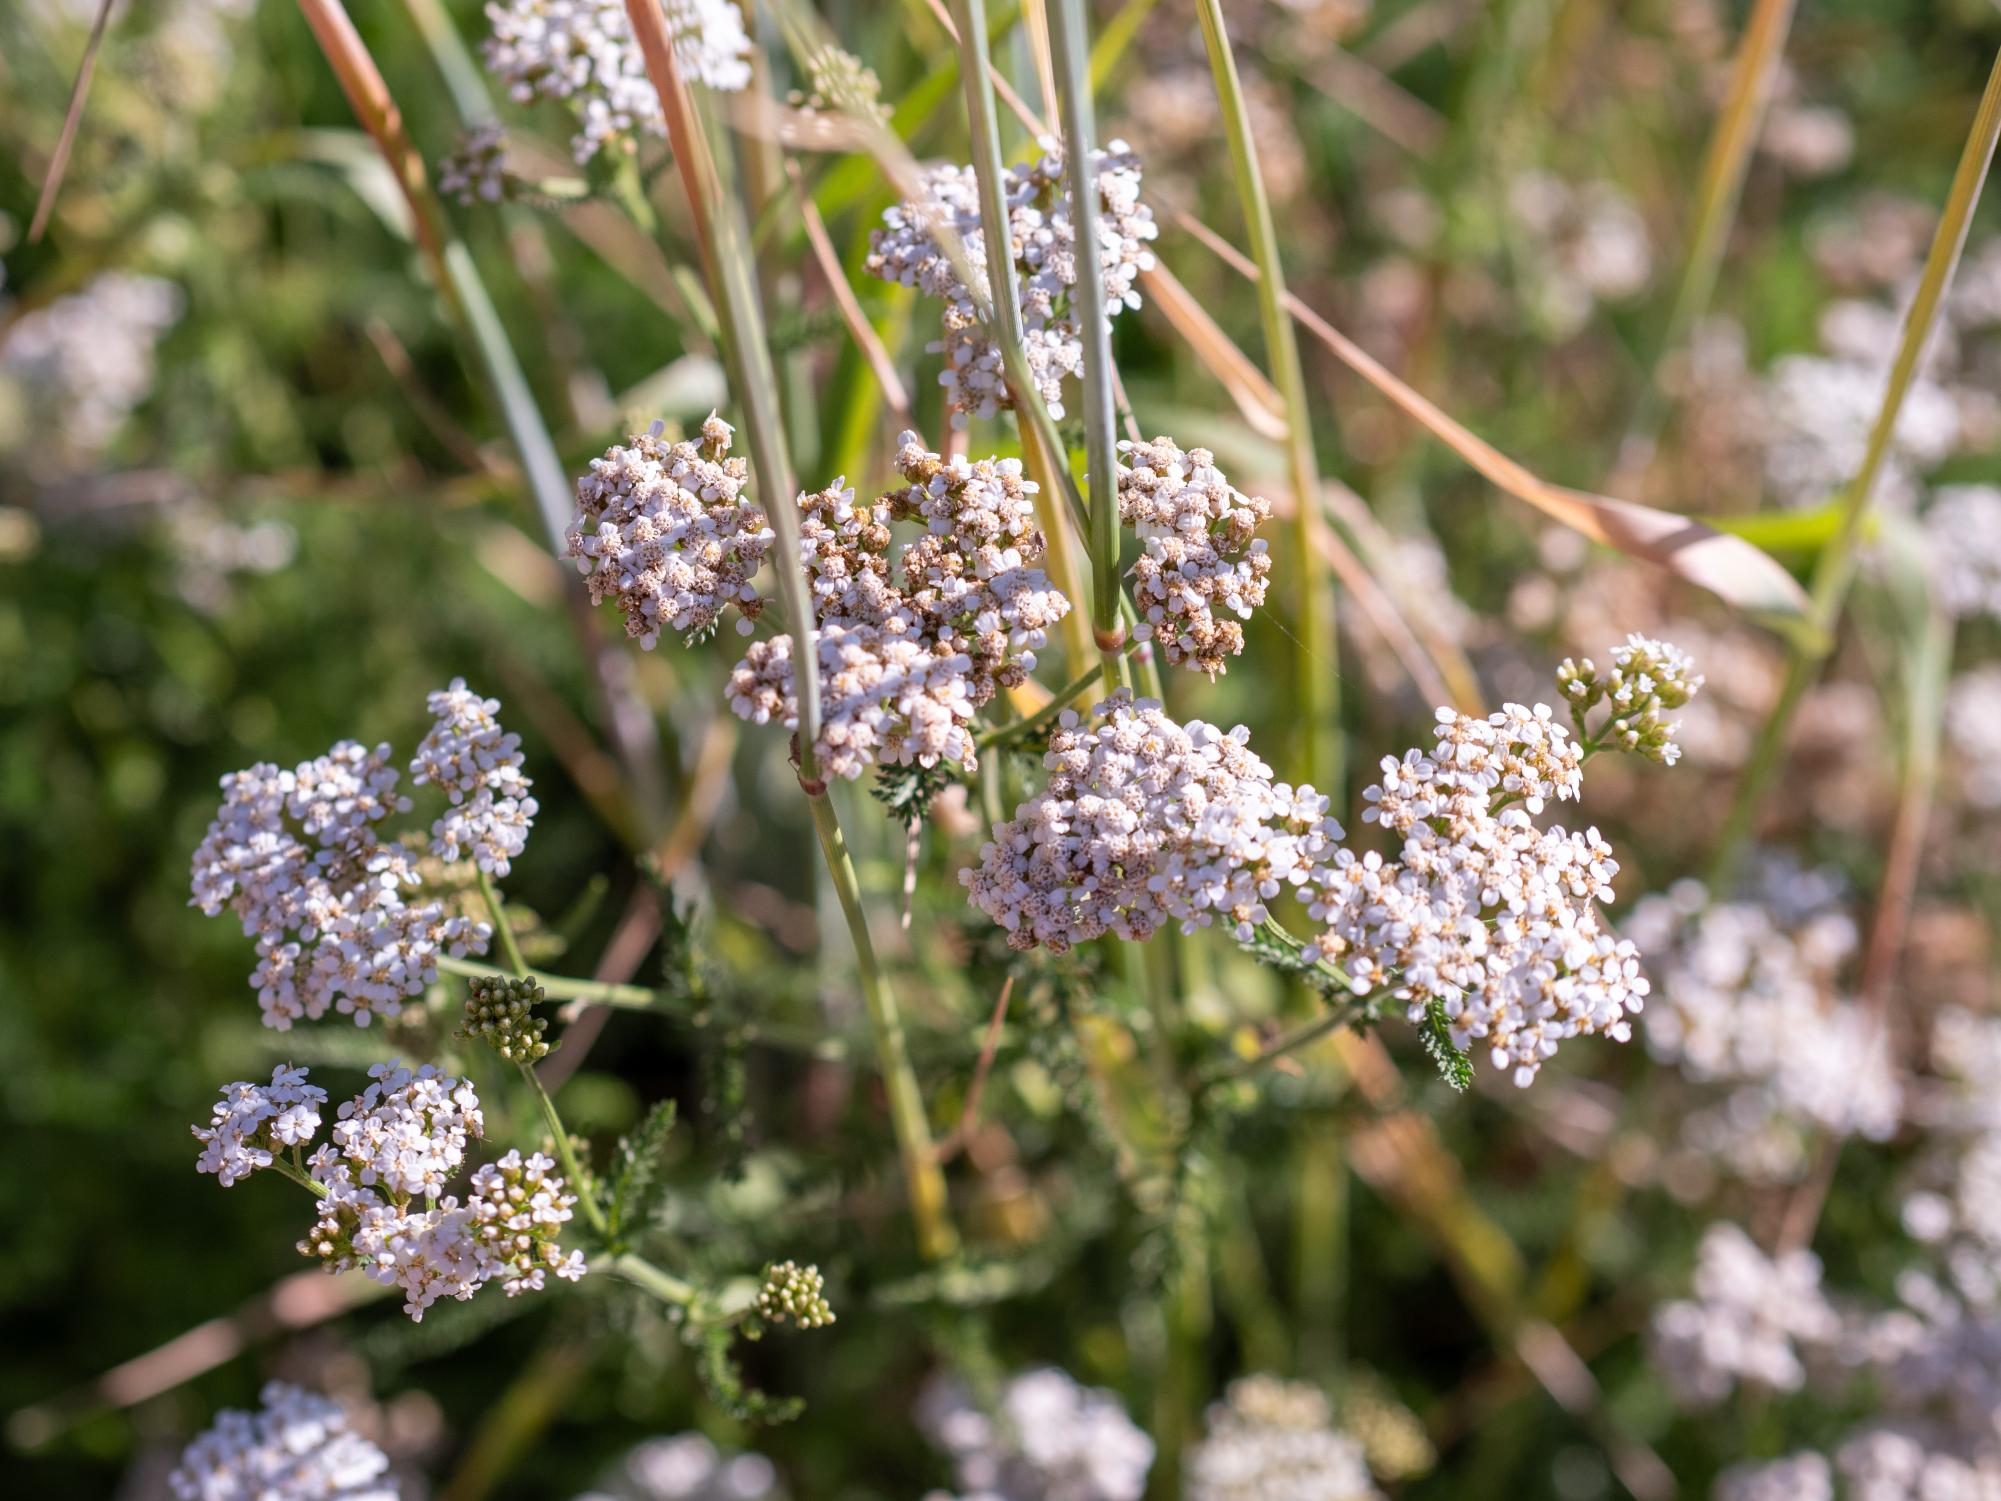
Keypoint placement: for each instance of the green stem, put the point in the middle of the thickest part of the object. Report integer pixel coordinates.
(1068, 694)
(502, 929)
(924, 1181)
(567, 1154)
(642, 1273)
(1318, 759)
(299, 1176)
(1287, 1042)
(564, 988)
(1070, 50)
(1835, 570)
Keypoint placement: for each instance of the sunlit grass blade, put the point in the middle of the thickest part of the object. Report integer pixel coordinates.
(724, 243)
(1719, 190)
(1727, 566)
(1317, 755)
(1835, 568)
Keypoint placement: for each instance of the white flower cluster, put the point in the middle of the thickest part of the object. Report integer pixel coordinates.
(475, 170)
(1043, 246)
(583, 53)
(688, 1467)
(477, 765)
(1816, 411)
(666, 530)
(86, 360)
(1588, 245)
(1747, 1003)
(1480, 909)
(907, 654)
(1962, 527)
(1273, 1440)
(1751, 1321)
(297, 857)
(1973, 726)
(296, 1447)
(1050, 1440)
(1200, 551)
(391, 1153)
(1145, 822)
(251, 1122)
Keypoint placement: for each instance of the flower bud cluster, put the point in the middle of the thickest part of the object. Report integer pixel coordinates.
(665, 529)
(500, 1013)
(1273, 1440)
(1647, 679)
(298, 1445)
(477, 765)
(1043, 247)
(1144, 822)
(298, 858)
(253, 1122)
(909, 651)
(794, 1295)
(1200, 551)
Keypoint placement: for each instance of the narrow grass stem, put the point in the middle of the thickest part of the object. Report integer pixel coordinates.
(1719, 191)
(1003, 305)
(727, 259)
(1070, 50)
(1301, 1036)
(923, 1180)
(1318, 755)
(1835, 569)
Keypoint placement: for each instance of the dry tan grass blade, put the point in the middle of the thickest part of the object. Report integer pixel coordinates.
(1728, 567)
(1253, 393)
(52, 181)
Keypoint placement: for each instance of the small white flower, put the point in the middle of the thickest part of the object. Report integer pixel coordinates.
(252, 1121)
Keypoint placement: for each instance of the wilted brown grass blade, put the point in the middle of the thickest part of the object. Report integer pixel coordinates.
(1728, 567)
(52, 180)
(1256, 397)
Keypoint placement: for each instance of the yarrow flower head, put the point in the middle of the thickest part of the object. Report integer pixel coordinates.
(909, 651)
(469, 758)
(665, 529)
(252, 1122)
(381, 1175)
(1144, 822)
(794, 1294)
(475, 170)
(296, 856)
(1480, 911)
(583, 53)
(297, 1447)
(1043, 246)
(1273, 1440)
(1051, 1440)
(1200, 551)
